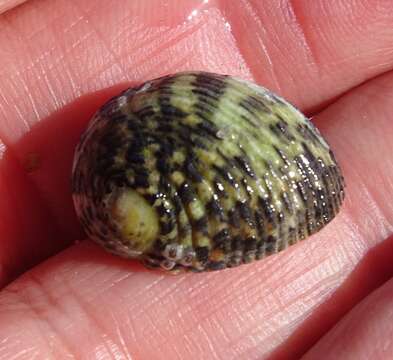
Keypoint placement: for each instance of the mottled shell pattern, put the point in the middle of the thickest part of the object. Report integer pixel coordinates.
(201, 171)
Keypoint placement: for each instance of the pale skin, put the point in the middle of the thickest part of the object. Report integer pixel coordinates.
(330, 297)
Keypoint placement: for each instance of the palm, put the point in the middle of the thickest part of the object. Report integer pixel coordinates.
(60, 60)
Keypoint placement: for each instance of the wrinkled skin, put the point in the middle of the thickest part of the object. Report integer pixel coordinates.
(329, 297)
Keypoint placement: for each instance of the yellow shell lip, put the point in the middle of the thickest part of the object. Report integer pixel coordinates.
(200, 171)
(136, 220)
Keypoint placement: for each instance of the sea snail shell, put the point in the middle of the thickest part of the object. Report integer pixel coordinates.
(202, 171)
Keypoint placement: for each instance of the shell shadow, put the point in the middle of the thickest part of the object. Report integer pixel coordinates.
(40, 217)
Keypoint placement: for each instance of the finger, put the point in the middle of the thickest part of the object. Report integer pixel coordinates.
(365, 333)
(279, 306)
(53, 59)
(6, 5)
(308, 50)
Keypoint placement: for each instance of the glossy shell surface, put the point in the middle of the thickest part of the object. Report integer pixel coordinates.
(200, 171)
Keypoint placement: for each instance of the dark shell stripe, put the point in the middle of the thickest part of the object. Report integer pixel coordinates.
(233, 172)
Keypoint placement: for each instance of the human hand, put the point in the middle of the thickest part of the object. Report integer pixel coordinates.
(60, 60)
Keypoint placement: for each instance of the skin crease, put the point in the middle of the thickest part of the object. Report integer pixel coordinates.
(9, 4)
(61, 59)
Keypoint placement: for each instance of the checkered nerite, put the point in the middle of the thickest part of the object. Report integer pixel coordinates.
(200, 171)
